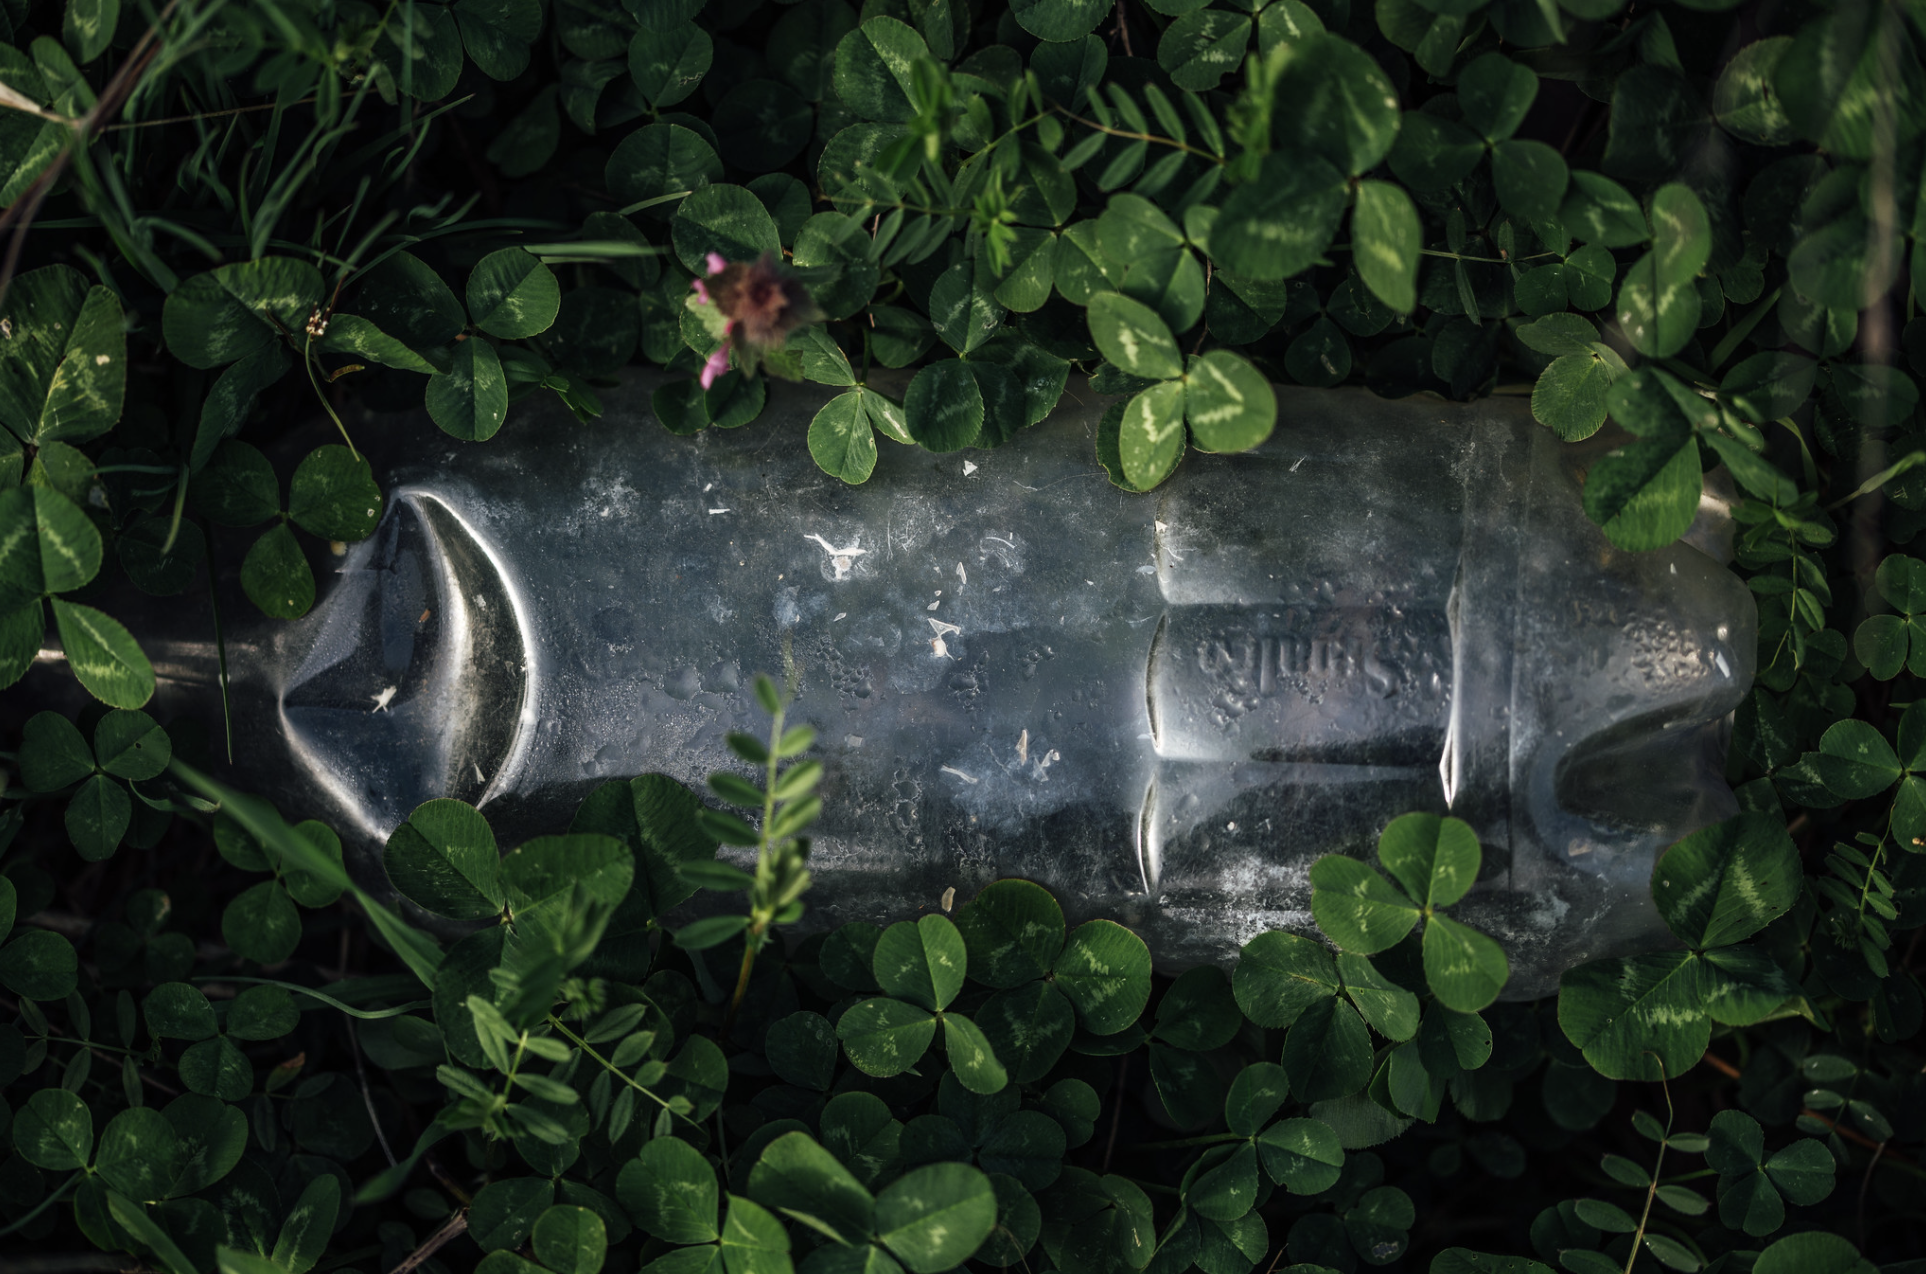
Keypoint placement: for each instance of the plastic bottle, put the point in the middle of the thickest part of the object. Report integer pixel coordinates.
(1163, 707)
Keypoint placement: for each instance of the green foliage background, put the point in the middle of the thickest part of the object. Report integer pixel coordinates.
(1698, 221)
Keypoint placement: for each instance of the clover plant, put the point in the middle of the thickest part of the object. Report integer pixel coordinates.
(1689, 235)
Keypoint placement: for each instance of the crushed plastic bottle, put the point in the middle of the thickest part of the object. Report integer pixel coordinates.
(1163, 707)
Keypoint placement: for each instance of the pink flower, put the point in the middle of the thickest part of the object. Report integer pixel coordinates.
(757, 304)
(763, 302)
(716, 265)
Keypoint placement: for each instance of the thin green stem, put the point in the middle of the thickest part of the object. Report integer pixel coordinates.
(609, 1066)
(1127, 135)
(1805, 452)
(919, 209)
(307, 363)
(1879, 479)
(1460, 256)
(93, 1046)
(749, 945)
(504, 1098)
(769, 778)
(43, 1205)
(366, 1015)
(630, 209)
(759, 919)
(1010, 132)
(1645, 1217)
(1872, 870)
(1685, 371)
(1742, 329)
(1210, 1139)
(180, 504)
(188, 119)
(220, 654)
(1651, 1189)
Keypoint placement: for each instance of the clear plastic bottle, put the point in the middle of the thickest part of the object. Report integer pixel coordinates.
(1164, 707)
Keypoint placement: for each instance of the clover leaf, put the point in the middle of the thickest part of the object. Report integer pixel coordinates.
(1434, 861)
(1651, 1015)
(1754, 1187)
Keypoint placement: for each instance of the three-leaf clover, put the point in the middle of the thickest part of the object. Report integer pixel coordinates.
(263, 924)
(63, 368)
(1856, 762)
(1888, 643)
(128, 748)
(1572, 393)
(1434, 152)
(213, 1065)
(49, 546)
(250, 318)
(919, 965)
(1434, 861)
(333, 495)
(1049, 981)
(1650, 1016)
(1301, 1154)
(1754, 1186)
(409, 319)
(1196, 1015)
(1225, 402)
(1285, 981)
(38, 964)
